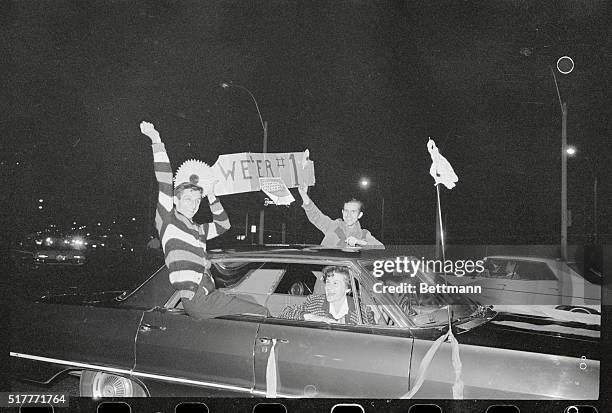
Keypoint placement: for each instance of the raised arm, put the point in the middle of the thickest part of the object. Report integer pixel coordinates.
(221, 221)
(163, 172)
(314, 214)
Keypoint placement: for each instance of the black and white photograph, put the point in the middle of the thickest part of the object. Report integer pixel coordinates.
(381, 204)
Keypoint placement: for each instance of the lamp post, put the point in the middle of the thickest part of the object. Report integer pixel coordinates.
(565, 65)
(264, 125)
(364, 183)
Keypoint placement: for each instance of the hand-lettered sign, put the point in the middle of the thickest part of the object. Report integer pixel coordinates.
(241, 172)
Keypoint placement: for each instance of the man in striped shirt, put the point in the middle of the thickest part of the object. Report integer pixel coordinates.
(184, 242)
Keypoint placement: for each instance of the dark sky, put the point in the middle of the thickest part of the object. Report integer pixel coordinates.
(361, 85)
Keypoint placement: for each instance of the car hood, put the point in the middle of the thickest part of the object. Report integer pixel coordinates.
(536, 334)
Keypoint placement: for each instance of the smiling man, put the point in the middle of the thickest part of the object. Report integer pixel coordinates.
(184, 242)
(342, 231)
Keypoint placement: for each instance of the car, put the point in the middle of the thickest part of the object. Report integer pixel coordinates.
(59, 249)
(521, 280)
(142, 343)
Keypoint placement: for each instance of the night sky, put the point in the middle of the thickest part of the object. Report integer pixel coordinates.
(362, 86)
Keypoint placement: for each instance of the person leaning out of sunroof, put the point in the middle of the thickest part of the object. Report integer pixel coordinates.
(342, 231)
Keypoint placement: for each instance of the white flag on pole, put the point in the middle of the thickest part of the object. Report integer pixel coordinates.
(441, 170)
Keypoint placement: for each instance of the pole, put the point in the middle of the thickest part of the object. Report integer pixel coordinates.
(440, 222)
(564, 182)
(595, 211)
(261, 211)
(283, 232)
(246, 225)
(382, 219)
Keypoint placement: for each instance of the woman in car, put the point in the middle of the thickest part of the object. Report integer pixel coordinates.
(335, 306)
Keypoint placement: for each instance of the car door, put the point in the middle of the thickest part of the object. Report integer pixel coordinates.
(89, 336)
(179, 355)
(316, 359)
(500, 284)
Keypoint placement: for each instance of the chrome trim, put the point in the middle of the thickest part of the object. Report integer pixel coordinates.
(146, 375)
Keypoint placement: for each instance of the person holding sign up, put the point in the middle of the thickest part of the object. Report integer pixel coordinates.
(183, 241)
(342, 231)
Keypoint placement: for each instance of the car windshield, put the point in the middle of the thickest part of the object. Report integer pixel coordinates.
(419, 293)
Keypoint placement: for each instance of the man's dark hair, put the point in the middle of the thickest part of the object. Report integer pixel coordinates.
(358, 202)
(178, 191)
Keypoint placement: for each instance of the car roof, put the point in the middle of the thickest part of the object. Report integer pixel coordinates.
(302, 251)
(522, 257)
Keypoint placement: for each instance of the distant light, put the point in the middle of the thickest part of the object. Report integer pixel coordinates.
(225, 85)
(99, 224)
(120, 235)
(571, 150)
(74, 223)
(364, 182)
(40, 200)
(253, 228)
(40, 207)
(134, 219)
(48, 241)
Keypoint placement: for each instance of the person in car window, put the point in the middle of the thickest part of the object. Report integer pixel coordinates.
(335, 306)
(342, 231)
(184, 242)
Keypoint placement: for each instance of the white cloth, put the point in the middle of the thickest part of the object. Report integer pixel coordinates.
(441, 170)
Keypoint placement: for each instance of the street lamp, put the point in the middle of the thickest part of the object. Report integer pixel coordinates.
(264, 125)
(364, 183)
(565, 65)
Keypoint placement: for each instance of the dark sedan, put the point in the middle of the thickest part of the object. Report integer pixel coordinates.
(141, 342)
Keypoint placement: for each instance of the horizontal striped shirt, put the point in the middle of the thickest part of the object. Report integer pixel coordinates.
(183, 241)
(317, 304)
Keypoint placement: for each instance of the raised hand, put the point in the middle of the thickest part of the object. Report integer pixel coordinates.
(303, 190)
(211, 191)
(149, 130)
(354, 241)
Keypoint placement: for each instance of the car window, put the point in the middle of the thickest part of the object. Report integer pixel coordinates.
(395, 291)
(499, 268)
(300, 279)
(229, 273)
(301, 293)
(533, 271)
